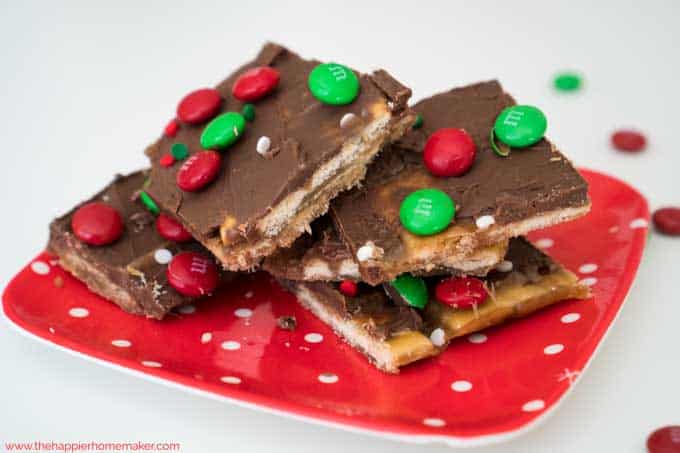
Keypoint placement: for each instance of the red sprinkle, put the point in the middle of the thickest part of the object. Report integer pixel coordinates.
(167, 160)
(449, 152)
(255, 83)
(171, 128)
(664, 440)
(97, 223)
(667, 221)
(349, 288)
(192, 274)
(198, 171)
(628, 140)
(461, 292)
(199, 106)
(171, 229)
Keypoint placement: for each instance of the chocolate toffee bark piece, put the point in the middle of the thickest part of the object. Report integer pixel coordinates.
(128, 266)
(307, 131)
(322, 256)
(532, 281)
(497, 198)
(383, 324)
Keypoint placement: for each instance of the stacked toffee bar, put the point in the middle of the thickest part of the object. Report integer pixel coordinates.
(401, 228)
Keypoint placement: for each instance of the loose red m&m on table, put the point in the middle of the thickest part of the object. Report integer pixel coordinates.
(198, 171)
(97, 223)
(349, 288)
(192, 274)
(461, 292)
(628, 140)
(667, 221)
(664, 440)
(199, 106)
(449, 152)
(171, 229)
(255, 83)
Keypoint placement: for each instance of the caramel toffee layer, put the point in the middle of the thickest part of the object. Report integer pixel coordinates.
(125, 271)
(233, 212)
(535, 185)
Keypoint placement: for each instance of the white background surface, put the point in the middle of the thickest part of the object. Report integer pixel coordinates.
(84, 88)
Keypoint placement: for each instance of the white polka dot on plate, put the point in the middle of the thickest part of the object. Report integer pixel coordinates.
(230, 380)
(243, 312)
(570, 317)
(588, 281)
(162, 256)
(477, 338)
(79, 312)
(206, 337)
(434, 422)
(40, 267)
(121, 343)
(313, 337)
(553, 349)
(587, 268)
(461, 386)
(533, 406)
(151, 364)
(638, 223)
(545, 243)
(328, 378)
(187, 309)
(231, 345)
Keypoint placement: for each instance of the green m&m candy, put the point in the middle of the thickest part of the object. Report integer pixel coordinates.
(179, 151)
(333, 83)
(567, 81)
(223, 131)
(427, 211)
(411, 290)
(520, 126)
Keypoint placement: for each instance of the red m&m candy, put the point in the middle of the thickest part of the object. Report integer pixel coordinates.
(192, 274)
(97, 223)
(628, 140)
(199, 106)
(166, 160)
(449, 152)
(198, 171)
(349, 288)
(664, 440)
(461, 292)
(667, 221)
(171, 128)
(171, 229)
(255, 83)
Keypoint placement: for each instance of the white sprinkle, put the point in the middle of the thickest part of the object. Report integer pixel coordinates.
(248, 295)
(461, 386)
(588, 281)
(553, 349)
(187, 309)
(328, 378)
(347, 120)
(121, 343)
(477, 338)
(231, 345)
(79, 312)
(230, 380)
(313, 337)
(614, 229)
(151, 364)
(570, 317)
(51, 329)
(545, 243)
(367, 251)
(588, 268)
(504, 266)
(434, 422)
(162, 256)
(485, 222)
(206, 337)
(533, 406)
(263, 145)
(438, 337)
(40, 267)
(243, 312)
(638, 223)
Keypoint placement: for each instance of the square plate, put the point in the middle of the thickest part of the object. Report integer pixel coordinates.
(485, 388)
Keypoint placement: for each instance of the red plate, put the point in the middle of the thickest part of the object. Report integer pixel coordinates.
(484, 388)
